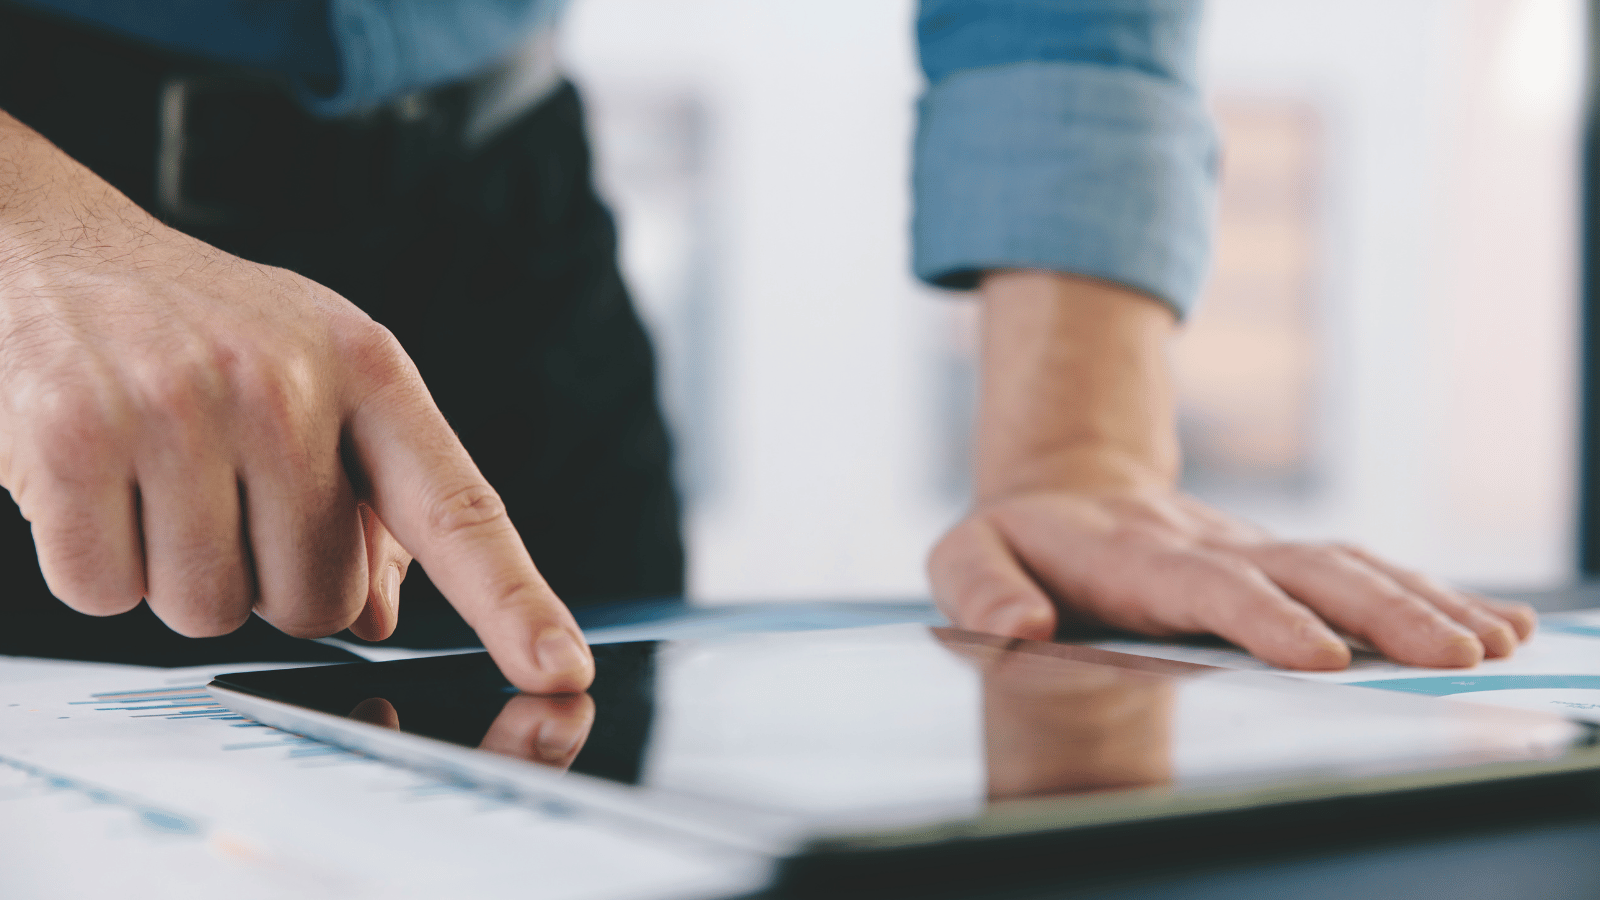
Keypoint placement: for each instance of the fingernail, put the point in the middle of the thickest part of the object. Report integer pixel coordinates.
(1329, 654)
(1498, 642)
(558, 653)
(389, 589)
(1464, 650)
(557, 739)
(1327, 650)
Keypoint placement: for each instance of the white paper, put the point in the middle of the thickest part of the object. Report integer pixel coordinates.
(132, 783)
(1558, 670)
(18, 669)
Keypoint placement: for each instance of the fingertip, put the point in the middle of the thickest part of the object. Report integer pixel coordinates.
(1459, 651)
(1320, 654)
(564, 659)
(556, 662)
(1520, 616)
(1323, 651)
(1327, 656)
(1498, 642)
(1313, 647)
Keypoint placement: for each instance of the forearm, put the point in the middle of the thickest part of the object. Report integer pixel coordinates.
(1076, 387)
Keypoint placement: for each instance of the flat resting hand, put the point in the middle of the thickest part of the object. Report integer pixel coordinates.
(1077, 517)
(1162, 563)
(218, 437)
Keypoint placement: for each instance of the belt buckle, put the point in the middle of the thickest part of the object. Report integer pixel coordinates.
(172, 145)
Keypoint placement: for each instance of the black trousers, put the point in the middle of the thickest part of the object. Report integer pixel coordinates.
(494, 266)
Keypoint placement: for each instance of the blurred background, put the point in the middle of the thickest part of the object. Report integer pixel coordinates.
(1387, 351)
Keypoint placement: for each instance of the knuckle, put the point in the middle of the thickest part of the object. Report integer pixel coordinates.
(99, 603)
(514, 596)
(309, 624)
(178, 389)
(71, 428)
(279, 400)
(88, 594)
(374, 350)
(199, 613)
(200, 590)
(203, 621)
(277, 389)
(1219, 567)
(81, 573)
(314, 620)
(471, 507)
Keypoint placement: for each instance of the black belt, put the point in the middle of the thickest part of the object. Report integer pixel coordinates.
(202, 144)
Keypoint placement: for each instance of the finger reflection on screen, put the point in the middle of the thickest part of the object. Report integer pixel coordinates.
(1054, 725)
(376, 711)
(547, 729)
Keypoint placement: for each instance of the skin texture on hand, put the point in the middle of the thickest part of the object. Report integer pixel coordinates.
(221, 438)
(1077, 517)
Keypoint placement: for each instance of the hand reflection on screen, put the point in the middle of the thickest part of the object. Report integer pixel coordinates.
(1054, 725)
(546, 729)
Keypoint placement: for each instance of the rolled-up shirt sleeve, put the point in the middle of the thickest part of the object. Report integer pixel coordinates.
(1066, 135)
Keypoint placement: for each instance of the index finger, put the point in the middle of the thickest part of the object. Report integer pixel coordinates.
(435, 502)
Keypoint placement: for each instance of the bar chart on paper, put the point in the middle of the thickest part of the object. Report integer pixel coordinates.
(1558, 670)
(169, 794)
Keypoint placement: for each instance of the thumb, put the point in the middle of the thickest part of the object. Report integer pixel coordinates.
(387, 562)
(980, 586)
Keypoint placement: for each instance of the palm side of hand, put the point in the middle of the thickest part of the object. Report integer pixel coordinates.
(1158, 562)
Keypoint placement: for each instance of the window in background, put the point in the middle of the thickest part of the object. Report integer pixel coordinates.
(1441, 283)
(1386, 354)
(796, 347)
(1248, 363)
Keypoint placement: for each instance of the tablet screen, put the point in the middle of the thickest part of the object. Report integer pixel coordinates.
(904, 725)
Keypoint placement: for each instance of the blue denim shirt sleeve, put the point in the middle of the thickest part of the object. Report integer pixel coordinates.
(1067, 135)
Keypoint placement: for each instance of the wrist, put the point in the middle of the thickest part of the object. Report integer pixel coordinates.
(1076, 389)
(54, 209)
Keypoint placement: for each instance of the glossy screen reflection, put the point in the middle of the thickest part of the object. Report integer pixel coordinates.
(904, 724)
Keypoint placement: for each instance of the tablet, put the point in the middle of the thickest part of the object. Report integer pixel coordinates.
(839, 745)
